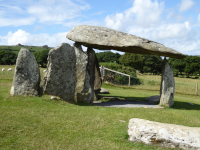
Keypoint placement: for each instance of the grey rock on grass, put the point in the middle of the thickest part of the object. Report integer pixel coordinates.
(163, 134)
(26, 78)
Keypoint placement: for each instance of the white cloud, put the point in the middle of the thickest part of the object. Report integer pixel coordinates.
(26, 38)
(185, 5)
(42, 11)
(16, 21)
(144, 13)
(144, 19)
(198, 19)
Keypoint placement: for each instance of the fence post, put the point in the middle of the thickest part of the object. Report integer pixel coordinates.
(129, 80)
(196, 89)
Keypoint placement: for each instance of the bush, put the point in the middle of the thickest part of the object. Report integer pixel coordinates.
(7, 57)
(41, 57)
(116, 78)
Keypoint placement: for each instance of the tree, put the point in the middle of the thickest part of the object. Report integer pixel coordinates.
(108, 57)
(192, 65)
(178, 65)
(132, 60)
(152, 64)
(7, 57)
(41, 57)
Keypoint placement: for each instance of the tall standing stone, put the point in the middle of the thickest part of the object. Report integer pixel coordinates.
(26, 78)
(60, 78)
(97, 80)
(83, 91)
(91, 70)
(167, 89)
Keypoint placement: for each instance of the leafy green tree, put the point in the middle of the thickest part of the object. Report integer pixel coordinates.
(152, 64)
(178, 65)
(41, 57)
(2, 52)
(7, 57)
(192, 65)
(132, 60)
(108, 57)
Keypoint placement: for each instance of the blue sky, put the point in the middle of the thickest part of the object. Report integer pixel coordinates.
(174, 23)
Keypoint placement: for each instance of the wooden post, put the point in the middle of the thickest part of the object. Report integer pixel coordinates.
(196, 89)
(129, 80)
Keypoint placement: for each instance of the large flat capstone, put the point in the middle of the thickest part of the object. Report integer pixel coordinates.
(26, 78)
(106, 39)
(165, 135)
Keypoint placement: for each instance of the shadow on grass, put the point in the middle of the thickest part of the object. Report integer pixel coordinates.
(185, 106)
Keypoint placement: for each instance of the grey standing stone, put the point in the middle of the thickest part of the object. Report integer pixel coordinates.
(83, 91)
(26, 78)
(167, 88)
(60, 78)
(91, 70)
(106, 39)
(97, 80)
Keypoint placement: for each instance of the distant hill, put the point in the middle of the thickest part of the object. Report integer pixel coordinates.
(15, 49)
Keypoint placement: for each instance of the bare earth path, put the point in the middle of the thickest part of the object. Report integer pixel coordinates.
(125, 103)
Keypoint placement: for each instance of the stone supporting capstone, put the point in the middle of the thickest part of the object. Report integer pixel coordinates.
(167, 88)
(97, 80)
(91, 70)
(163, 134)
(60, 78)
(83, 91)
(26, 80)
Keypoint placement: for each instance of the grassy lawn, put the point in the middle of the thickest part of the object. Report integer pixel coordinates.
(42, 123)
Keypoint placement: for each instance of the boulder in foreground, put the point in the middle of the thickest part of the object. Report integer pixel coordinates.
(26, 80)
(106, 39)
(165, 135)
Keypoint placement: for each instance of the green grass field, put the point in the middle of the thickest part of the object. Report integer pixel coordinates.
(42, 123)
(16, 49)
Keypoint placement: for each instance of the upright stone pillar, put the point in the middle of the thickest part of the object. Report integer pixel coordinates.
(60, 78)
(97, 80)
(91, 70)
(167, 88)
(83, 90)
(26, 80)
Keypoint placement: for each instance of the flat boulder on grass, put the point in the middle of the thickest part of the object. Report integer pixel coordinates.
(60, 78)
(167, 88)
(163, 134)
(26, 78)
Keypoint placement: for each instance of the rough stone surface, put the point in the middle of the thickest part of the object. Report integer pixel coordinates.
(91, 71)
(104, 91)
(167, 88)
(97, 80)
(60, 78)
(166, 135)
(83, 91)
(26, 78)
(105, 39)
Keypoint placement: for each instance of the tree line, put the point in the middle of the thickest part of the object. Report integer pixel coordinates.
(144, 63)
(153, 63)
